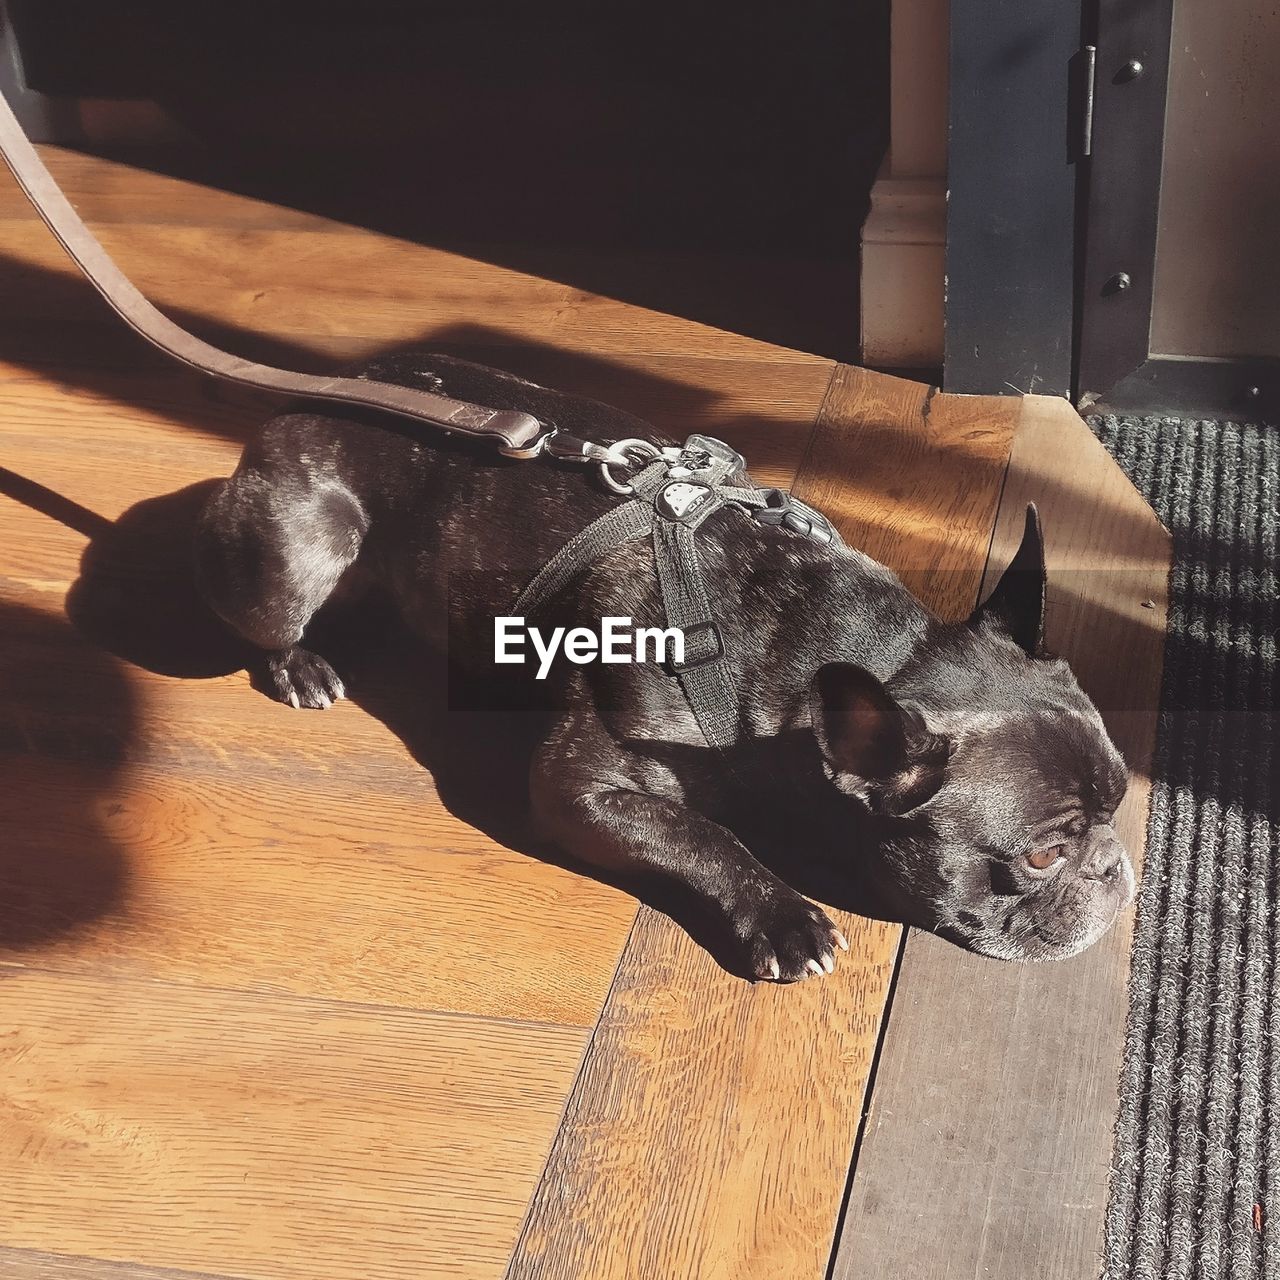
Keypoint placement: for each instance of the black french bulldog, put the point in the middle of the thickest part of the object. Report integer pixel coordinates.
(956, 764)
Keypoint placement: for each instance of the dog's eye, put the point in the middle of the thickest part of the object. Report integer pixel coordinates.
(1043, 859)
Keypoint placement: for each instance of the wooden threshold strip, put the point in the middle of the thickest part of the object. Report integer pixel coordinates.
(710, 1130)
(986, 1150)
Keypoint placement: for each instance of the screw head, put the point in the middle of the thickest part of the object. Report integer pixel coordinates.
(1117, 283)
(1130, 71)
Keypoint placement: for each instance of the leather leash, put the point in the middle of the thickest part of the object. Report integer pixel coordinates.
(516, 434)
(674, 492)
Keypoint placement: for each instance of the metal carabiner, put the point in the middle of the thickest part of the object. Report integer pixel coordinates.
(622, 454)
(566, 448)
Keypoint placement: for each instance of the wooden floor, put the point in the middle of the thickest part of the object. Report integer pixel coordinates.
(285, 995)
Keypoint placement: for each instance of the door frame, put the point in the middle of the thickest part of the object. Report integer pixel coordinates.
(1115, 365)
(1011, 198)
(1056, 128)
(43, 118)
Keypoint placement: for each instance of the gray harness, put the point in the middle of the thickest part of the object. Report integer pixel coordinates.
(672, 494)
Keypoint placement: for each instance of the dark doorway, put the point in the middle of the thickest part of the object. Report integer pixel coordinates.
(712, 160)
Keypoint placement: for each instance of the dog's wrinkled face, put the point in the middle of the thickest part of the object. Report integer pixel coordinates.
(992, 780)
(1016, 846)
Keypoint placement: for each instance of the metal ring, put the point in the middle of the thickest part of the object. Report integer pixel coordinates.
(620, 451)
(621, 455)
(624, 489)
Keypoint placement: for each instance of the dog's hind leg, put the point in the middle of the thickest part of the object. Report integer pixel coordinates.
(270, 549)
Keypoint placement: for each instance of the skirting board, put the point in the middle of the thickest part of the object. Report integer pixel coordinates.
(77, 121)
(903, 242)
(42, 117)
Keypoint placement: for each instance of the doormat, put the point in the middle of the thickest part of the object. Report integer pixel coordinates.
(1195, 1179)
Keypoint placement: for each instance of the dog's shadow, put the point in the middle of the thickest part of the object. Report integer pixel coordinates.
(136, 597)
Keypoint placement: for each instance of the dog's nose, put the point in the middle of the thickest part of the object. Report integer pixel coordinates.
(1105, 860)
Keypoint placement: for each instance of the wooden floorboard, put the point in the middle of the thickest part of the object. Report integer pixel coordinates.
(251, 846)
(279, 994)
(710, 1131)
(275, 1001)
(180, 1126)
(987, 1145)
(37, 1264)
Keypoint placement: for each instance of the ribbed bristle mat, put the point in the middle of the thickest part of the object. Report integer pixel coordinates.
(1195, 1179)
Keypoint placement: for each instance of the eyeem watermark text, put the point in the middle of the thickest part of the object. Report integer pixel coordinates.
(618, 640)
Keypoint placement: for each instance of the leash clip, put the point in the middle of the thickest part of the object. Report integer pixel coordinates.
(623, 455)
(539, 445)
(564, 448)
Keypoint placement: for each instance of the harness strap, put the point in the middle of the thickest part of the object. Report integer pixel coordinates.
(515, 432)
(681, 506)
(671, 500)
(704, 674)
(619, 525)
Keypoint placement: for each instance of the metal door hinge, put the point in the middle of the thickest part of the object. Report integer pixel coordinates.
(1083, 67)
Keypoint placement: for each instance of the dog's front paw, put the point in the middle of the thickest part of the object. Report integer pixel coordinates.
(301, 678)
(786, 937)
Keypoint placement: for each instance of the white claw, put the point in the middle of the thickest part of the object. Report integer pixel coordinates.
(841, 939)
(775, 972)
(828, 962)
(814, 967)
(293, 700)
(339, 690)
(325, 702)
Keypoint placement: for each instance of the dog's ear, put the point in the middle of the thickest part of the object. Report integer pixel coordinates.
(875, 747)
(1016, 606)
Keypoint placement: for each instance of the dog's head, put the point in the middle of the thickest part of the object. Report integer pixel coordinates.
(990, 778)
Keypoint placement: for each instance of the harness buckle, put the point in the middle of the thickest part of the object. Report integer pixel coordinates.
(790, 513)
(714, 448)
(674, 668)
